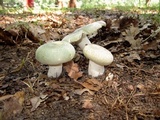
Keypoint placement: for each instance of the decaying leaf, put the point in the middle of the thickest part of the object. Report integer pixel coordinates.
(115, 23)
(145, 26)
(5, 97)
(120, 66)
(91, 84)
(36, 29)
(130, 87)
(126, 21)
(13, 104)
(5, 36)
(81, 91)
(87, 104)
(153, 45)
(55, 21)
(20, 97)
(133, 56)
(73, 70)
(141, 87)
(36, 101)
(152, 35)
(130, 34)
(34, 32)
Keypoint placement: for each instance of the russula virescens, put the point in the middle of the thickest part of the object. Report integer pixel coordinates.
(91, 29)
(79, 36)
(98, 58)
(54, 54)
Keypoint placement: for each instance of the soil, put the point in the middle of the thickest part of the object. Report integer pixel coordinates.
(128, 90)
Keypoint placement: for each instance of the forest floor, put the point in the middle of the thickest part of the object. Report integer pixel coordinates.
(128, 90)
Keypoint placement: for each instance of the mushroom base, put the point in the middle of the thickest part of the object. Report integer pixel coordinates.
(55, 71)
(95, 70)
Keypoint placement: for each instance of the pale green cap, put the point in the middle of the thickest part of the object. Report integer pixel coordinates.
(55, 53)
(74, 37)
(98, 54)
(92, 27)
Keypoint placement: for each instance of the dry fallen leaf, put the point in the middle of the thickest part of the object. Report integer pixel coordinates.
(36, 101)
(20, 97)
(13, 104)
(141, 87)
(81, 91)
(87, 104)
(130, 87)
(5, 97)
(126, 21)
(73, 70)
(133, 56)
(91, 84)
(156, 32)
(153, 45)
(130, 34)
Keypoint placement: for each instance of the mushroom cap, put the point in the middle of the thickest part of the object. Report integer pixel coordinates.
(55, 53)
(74, 37)
(98, 54)
(92, 27)
(79, 33)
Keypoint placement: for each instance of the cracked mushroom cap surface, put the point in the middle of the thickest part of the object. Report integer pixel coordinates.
(98, 54)
(55, 53)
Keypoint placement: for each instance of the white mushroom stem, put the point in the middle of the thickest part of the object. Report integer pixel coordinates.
(94, 69)
(55, 71)
(84, 41)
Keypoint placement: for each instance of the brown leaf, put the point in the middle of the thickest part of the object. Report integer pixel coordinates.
(127, 21)
(130, 34)
(153, 45)
(81, 91)
(133, 56)
(5, 36)
(141, 87)
(73, 70)
(5, 97)
(108, 22)
(36, 101)
(130, 87)
(20, 96)
(87, 104)
(35, 32)
(92, 84)
(13, 105)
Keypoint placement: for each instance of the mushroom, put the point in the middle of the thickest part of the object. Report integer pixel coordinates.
(54, 54)
(80, 35)
(98, 58)
(92, 28)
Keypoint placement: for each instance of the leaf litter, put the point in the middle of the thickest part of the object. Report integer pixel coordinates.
(36, 101)
(129, 89)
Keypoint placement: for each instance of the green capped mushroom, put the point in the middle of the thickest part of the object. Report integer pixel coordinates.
(54, 54)
(98, 58)
(79, 36)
